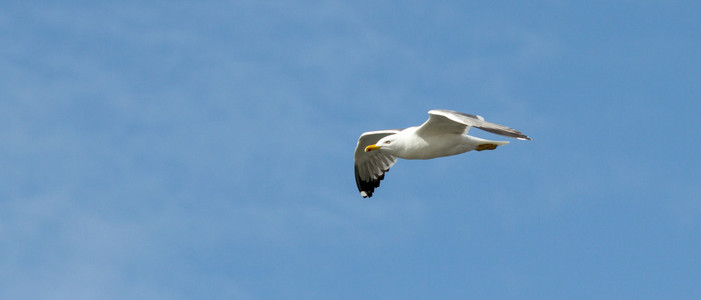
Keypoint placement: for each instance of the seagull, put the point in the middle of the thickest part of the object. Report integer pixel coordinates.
(443, 134)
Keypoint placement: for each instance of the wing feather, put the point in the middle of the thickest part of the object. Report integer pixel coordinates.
(448, 121)
(370, 167)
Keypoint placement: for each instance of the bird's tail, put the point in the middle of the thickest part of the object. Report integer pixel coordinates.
(482, 144)
(477, 140)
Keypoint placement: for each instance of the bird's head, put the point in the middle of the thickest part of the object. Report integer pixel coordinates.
(385, 143)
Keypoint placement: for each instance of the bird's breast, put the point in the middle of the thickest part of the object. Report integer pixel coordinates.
(435, 146)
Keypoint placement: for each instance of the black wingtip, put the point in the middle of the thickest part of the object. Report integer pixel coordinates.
(366, 188)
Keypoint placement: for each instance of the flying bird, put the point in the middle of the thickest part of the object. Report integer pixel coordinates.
(443, 134)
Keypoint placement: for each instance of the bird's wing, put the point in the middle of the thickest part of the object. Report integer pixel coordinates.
(448, 121)
(370, 167)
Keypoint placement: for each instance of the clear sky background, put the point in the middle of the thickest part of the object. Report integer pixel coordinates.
(204, 150)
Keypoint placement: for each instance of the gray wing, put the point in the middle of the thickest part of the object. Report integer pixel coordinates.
(448, 121)
(370, 167)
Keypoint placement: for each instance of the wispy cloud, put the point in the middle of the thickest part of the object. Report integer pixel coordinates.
(160, 150)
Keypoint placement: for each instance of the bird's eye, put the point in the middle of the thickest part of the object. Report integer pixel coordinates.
(387, 142)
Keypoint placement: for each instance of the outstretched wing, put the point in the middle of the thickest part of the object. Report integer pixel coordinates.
(448, 121)
(370, 167)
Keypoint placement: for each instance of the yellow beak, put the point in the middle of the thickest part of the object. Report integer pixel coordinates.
(371, 147)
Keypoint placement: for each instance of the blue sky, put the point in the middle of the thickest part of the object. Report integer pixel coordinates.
(203, 150)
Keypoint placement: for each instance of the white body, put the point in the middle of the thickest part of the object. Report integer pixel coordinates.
(410, 145)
